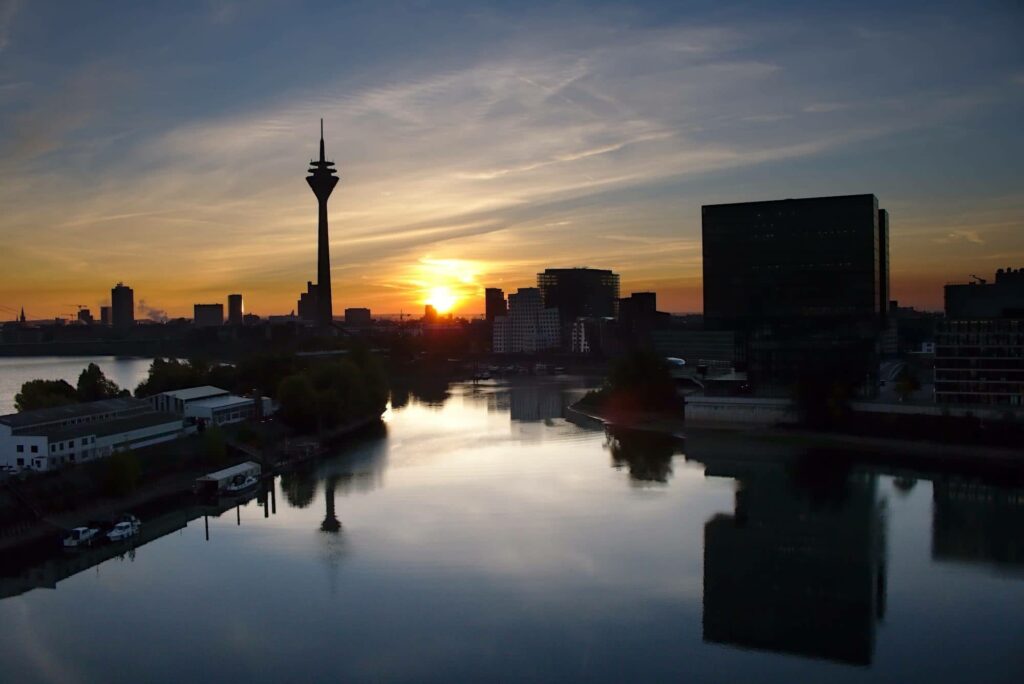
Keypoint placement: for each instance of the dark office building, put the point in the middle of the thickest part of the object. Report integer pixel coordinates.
(236, 310)
(494, 303)
(307, 306)
(105, 315)
(358, 316)
(979, 348)
(122, 307)
(208, 315)
(804, 283)
(984, 300)
(579, 292)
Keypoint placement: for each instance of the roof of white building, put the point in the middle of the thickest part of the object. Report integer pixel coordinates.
(215, 403)
(71, 411)
(194, 393)
(109, 427)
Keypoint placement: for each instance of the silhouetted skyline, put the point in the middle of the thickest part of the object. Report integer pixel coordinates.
(485, 142)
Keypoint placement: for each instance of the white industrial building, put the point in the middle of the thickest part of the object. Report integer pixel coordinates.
(211, 405)
(528, 328)
(50, 438)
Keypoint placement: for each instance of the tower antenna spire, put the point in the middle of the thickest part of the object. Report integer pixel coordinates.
(322, 157)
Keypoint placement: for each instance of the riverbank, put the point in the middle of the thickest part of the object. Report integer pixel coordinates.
(915, 451)
(274, 458)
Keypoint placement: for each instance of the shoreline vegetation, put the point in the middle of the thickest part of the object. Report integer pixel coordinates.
(321, 402)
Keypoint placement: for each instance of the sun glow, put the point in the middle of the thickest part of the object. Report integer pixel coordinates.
(442, 299)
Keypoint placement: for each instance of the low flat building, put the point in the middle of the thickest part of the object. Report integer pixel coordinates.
(176, 401)
(226, 409)
(50, 438)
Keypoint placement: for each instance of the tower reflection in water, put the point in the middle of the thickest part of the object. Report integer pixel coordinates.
(799, 566)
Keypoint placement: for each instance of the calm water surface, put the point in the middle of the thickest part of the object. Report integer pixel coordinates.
(482, 537)
(126, 371)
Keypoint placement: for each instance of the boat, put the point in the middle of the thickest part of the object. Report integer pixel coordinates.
(79, 537)
(240, 483)
(127, 526)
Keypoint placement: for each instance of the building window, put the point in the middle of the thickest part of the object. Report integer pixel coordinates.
(21, 448)
(34, 449)
(21, 462)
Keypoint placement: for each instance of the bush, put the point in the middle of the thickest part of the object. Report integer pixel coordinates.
(122, 473)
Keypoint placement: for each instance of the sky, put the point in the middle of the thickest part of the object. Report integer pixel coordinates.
(165, 144)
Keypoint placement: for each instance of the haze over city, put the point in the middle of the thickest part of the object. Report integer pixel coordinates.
(477, 146)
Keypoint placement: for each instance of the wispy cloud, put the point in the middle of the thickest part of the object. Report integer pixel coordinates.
(8, 10)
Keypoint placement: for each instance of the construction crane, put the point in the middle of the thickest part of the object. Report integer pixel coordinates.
(980, 281)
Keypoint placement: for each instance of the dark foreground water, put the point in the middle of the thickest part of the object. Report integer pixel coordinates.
(484, 538)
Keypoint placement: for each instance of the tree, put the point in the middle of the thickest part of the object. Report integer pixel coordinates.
(298, 405)
(122, 473)
(166, 375)
(93, 385)
(214, 445)
(641, 381)
(38, 394)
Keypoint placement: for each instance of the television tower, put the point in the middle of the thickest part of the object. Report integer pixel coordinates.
(322, 178)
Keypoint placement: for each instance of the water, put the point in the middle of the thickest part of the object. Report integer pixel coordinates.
(127, 372)
(482, 537)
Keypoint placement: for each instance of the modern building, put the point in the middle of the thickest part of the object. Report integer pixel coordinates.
(208, 315)
(358, 316)
(236, 309)
(122, 306)
(494, 303)
(105, 315)
(980, 362)
(981, 299)
(322, 178)
(46, 439)
(429, 314)
(307, 306)
(579, 292)
(803, 282)
(529, 326)
(85, 316)
(979, 348)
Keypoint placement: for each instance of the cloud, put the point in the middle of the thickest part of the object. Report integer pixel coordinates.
(8, 10)
(970, 236)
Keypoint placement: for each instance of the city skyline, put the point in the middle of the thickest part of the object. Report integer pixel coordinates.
(489, 147)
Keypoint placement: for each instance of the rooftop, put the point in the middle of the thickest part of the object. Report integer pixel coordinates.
(193, 393)
(222, 402)
(109, 427)
(71, 412)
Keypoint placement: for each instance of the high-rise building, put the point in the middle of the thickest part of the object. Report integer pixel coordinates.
(307, 305)
(85, 316)
(105, 315)
(358, 316)
(122, 306)
(979, 348)
(576, 292)
(804, 284)
(494, 303)
(322, 178)
(529, 327)
(236, 309)
(429, 314)
(208, 315)
(981, 299)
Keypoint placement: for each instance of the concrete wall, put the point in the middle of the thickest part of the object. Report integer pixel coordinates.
(739, 410)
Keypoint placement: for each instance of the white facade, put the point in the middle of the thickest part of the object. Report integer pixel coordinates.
(529, 327)
(176, 401)
(43, 445)
(580, 338)
(226, 409)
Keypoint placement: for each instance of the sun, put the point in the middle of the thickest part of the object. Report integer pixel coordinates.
(441, 298)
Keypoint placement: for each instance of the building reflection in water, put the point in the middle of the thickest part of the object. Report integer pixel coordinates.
(978, 523)
(799, 565)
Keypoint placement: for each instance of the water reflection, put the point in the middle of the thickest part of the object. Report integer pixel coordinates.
(979, 524)
(799, 566)
(647, 455)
